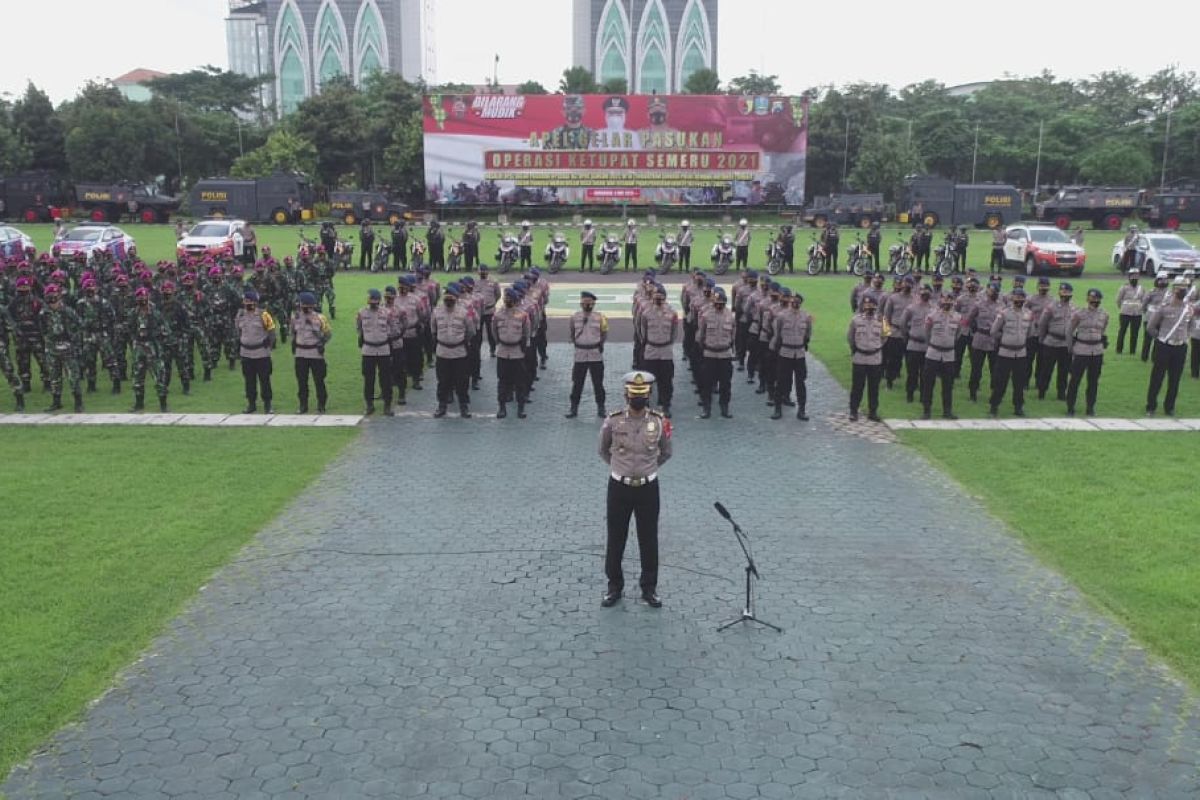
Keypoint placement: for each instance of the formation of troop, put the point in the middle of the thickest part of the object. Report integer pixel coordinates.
(928, 331)
(79, 319)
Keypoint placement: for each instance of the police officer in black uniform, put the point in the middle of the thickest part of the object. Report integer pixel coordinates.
(400, 245)
(436, 239)
(366, 240)
(470, 242)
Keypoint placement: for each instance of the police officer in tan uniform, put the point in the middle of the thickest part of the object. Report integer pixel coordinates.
(659, 330)
(453, 329)
(983, 346)
(1131, 300)
(1052, 332)
(1088, 334)
(511, 330)
(792, 330)
(865, 337)
(1169, 326)
(588, 331)
(587, 247)
(634, 443)
(714, 339)
(912, 326)
(375, 327)
(1010, 333)
(310, 334)
(256, 336)
(941, 335)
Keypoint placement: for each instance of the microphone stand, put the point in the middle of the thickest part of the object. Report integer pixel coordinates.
(751, 571)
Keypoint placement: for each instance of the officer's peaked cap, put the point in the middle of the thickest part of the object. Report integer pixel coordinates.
(638, 382)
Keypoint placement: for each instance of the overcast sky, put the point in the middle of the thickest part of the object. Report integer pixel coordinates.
(61, 45)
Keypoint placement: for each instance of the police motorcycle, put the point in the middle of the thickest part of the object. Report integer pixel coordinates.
(816, 257)
(945, 255)
(383, 252)
(775, 256)
(454, 254)
(509, 252)
(900, 257)
(722, 254)
(610, 254)
(416, 250)
(859, 260)
(557, 253)
(666, 254)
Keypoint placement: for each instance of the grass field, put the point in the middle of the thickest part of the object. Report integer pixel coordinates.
(827, 298)
(107, 534)
(1099, 507)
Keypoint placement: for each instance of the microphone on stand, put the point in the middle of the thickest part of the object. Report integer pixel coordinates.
(722, 511)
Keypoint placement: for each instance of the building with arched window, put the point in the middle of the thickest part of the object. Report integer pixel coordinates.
(309, 42)
(653, 44)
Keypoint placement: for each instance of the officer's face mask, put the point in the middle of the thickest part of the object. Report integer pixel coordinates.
(795, 304)
(638, 403)
(247, 306)
(1133, 281)
(659, 300)
(373, 303)
(306, 309)
(1180, 294)
(1018, 302)
(869, 310)
(450, 302)
(1093, 302)
(587, 306)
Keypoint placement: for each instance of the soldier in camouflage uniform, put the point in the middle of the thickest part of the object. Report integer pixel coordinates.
(120, 298)
(324, 269)
(194, 307)
(96, 317)
(149, 336)
(6, 364)
(61, 332)
(574, 135)
(175, 352)
(24, 311)
(231, 292)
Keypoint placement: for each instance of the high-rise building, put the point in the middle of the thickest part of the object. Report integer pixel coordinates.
(653, 44)
(248, 39)
(310, 41)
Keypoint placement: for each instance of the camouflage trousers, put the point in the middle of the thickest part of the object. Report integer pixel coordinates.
(179, 355)
(210, 351)
(60, 362)
(97, 347)
(325, 291)
(279, 312)
(148, 357)
(30, 349)
(7, 368)
(118, 345)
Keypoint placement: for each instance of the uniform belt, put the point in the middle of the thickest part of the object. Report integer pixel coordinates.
(867, 352)
(659, 344)
(459, 343)
(1013, 349)
(511, 344)
(369, 343)
(587, 346)
(942, 349)
(1088, 341)
(635, 481)
(916, 339)
(307, 346)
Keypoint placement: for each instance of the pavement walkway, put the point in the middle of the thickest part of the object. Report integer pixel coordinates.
(424, 622)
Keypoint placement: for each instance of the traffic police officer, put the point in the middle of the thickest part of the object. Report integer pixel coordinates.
(587, 246)
(686, 237)
(865, 336)
(1010, 333)
(588, 331)
(791, 333)
(1087, 333)
(659, 329)
(634, 443)
(741, 241)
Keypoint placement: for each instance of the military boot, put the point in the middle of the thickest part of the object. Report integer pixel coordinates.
(441, 410)
(78, 403)
(116, 386)
(463, 411)
(370, 408)
(207, 374)
(474, 384)
(502, 412)
(706, 412)
(521, 410)
(387, 409)
(666, 411)
(162, 403)
(332, 312)
(725, 411)
(267, 407)
(778, 414)
(601, 412)
(25, 387)
(91, 386)
(55, 403)
(574, 412)
(250, 408)
(139, 400)
(800, 415)
(20, 403)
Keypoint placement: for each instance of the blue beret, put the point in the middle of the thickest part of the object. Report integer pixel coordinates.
(408, 280)
(250, 295)
(308, 299)
(453, 289)
(710, 283)
(520, 285)
(650, 273)
(373, 294)
(512, 294)
(390, 291)
(750, 273)
(1018, 278)
(484, 268)
(660, 289)
(1043, 281)
(775, 287)
(467, 280)
(1018, 292)
(1095, 292)
(1067, 286)
(587, 296)
(908, 280)
(423, 269)
(786, 292)
(719, 294)
(534, 271)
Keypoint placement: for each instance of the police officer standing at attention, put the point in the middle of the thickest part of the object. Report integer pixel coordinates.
(1052, 331)
(374, 330)
(997, 262)
(865, 336)
(588, 330)
(715, 333)
(787, 236)
(366, 243)
(587, 246)
(634, 443)
(1087, 332)
(791, 333)
(400, 245)
(1169, 326)
(941, 336)
(830, 241)
(1130, 300)
(686, 237)
(470, 242)
(874, 240)
(631, 237)
(310, 334)
(659, 330)
(453, 329)
(512, 329)
(1010, 333)
(256, 335)
(489, 292)
(741, 243)
(525, 242)
(436, 239)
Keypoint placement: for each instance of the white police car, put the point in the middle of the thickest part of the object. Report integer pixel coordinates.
(92, 238)
(13, 243)
(1165, 252)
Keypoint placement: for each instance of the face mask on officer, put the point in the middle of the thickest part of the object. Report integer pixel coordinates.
(1180, 293)
(306, 310)
(1018, 302)
(794, 302)
(1093, 302)
(659, 299)
(248, 306)
(587, 306)
(449, 300)
(868, 309)
(509, 302)
(638, 402)
(1133, 281)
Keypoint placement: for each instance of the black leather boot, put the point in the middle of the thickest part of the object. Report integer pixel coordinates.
(55, 403)
(78, 403)
(139, 401)
(162, 404)
(502, 412)
(574, 412)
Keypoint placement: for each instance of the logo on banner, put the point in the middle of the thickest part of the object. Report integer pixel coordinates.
(498, 106)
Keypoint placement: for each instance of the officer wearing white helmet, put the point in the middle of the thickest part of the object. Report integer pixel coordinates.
(587, 242)
(685, 238)
(631, 237)
(525, 240)
(742, 242)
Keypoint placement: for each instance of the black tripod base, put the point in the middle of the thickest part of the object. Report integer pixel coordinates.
(749, 617)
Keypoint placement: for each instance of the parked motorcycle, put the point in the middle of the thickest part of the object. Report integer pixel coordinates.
(859, 260)
(610, 254)
(383, 251)
(816, 257)
(454, 256)
(722, 254)
(417, 253)
(508, 253)
(900, 258)
(667, 252)
(945, 255)
(775, 257)
(557, 253)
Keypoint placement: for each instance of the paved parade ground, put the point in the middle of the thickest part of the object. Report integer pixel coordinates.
(425, 621)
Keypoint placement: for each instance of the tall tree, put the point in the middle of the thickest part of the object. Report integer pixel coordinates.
(283, 151)
(531, 87)
(334, 121)
(885, 160)
(615, 86)
(211, 89)
(702, 81)
(755, 84)
(578, 80)
(14, 154)
(39, 129)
